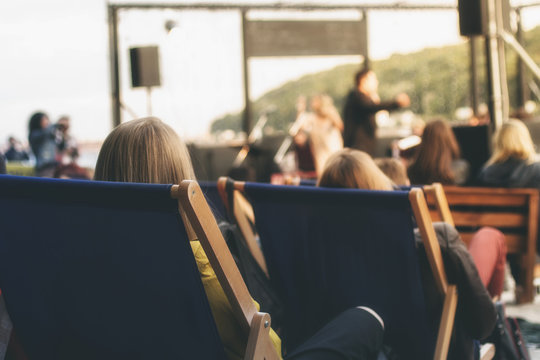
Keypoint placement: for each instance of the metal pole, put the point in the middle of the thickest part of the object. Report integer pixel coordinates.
(366, 40)
(493, 68)
(502, 6)
(149, 100)
(115, 74)
(475, 92)
(246, 123)
(522, 88)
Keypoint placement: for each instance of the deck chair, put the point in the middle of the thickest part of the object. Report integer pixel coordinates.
(103, 270)
(331, 249)
(214, 199)
(241, 213)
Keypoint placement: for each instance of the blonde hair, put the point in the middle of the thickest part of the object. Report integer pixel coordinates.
(146, 151)
(394, 169)
(354, 169)
(512, 140)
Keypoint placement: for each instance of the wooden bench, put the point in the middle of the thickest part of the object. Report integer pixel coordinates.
(512, 211)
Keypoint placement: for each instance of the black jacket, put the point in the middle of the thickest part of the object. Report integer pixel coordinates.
(359, 117)
(512, 173)
(475, 314)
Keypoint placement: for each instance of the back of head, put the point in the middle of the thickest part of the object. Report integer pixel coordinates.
(35, 121)
(353, 169)
(433, 161)
(146, 151)
(512, 140)
(394, 169)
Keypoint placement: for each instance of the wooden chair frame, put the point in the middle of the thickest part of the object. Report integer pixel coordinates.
(242, 213)
(431, 244)
(192, 203)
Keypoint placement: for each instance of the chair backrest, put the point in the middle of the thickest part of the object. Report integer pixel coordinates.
(101, 270)
(331, 249)
(513, 211)
(214, 199)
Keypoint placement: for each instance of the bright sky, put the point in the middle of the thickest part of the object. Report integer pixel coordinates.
(55, 58)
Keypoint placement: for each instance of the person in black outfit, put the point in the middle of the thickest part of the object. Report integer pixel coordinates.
(362, 104)
(2, 165)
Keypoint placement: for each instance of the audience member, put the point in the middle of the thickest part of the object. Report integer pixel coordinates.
(513, 163)
(361, 105)
(2, 165)
(149, 151)
(394, 169)
(438, 157)
(15, 152)
(42, 138)
(323, 126)
(478, 272)
(71, 170)
(65, 143)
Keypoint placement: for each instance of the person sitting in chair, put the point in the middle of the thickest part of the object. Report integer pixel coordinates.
(478, 271)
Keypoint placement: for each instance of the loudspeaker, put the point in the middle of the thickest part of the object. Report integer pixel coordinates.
(473, 18)
(144, 66)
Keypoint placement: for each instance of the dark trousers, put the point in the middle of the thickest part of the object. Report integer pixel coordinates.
(353, 334)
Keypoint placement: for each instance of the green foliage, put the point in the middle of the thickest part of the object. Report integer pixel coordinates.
(436, 79)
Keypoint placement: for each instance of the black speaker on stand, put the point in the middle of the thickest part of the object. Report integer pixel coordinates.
(145, 70)
(473, 16)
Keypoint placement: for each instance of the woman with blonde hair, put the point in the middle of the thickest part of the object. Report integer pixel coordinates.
(149, 151)
(513, 163)
(438, 157)
(324, 127)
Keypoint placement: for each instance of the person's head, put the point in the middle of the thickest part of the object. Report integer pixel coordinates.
(38, 120)
(12, 141)
(322, 105)
(438, 149)
(366, 81)
(353, 169)
(512, 140)
(394, 169)
(63, 123)
(146, 151)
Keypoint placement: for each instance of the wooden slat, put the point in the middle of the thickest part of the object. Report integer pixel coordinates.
(499, 220)
(497, 200)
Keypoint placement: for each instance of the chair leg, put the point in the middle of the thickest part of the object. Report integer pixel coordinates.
(447, 323)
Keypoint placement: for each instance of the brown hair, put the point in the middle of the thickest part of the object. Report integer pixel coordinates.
(394, 169)
(433, 161)
(146, 151)
(353, 169)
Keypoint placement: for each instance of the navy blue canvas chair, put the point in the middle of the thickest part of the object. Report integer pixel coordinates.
(214, 200)
(331, 249)
(103, 270)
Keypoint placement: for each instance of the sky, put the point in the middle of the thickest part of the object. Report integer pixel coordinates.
(55, 58)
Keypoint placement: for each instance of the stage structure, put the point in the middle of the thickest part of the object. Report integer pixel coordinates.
(311, 38)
